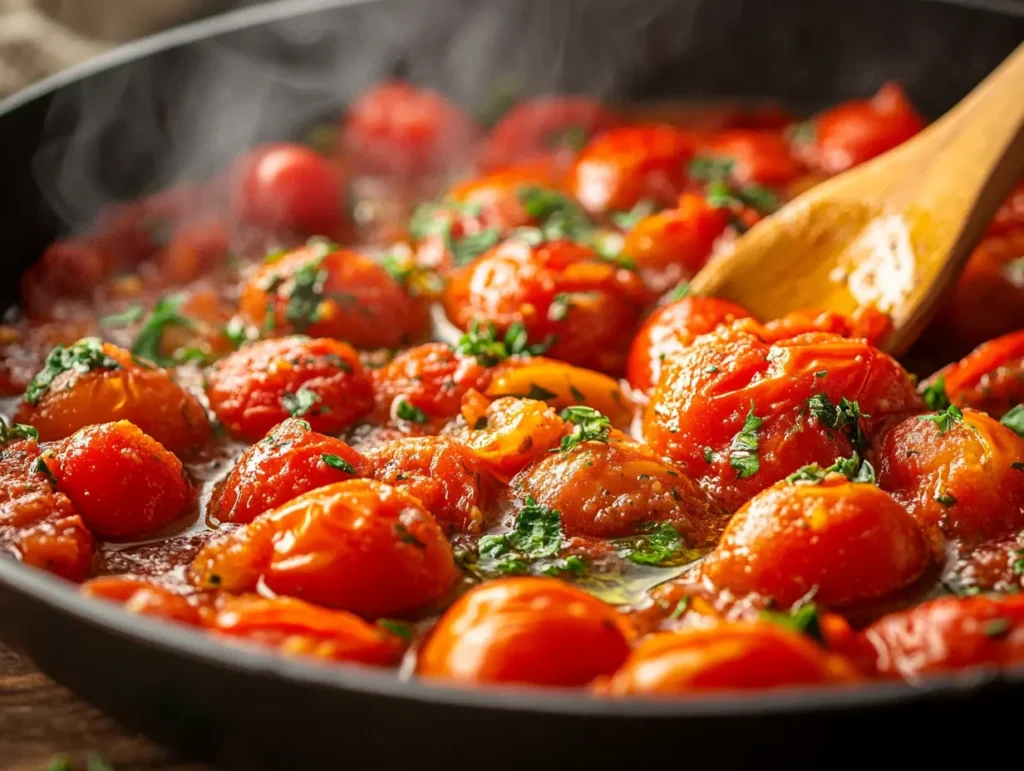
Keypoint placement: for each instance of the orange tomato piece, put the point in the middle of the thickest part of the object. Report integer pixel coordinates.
(89, 382)
(508, 433)
(726, 657)
(290, 460)
(144, 597)
(848, 542)
(320, 380)
(955, 474)
(525, 630)
(358, 545)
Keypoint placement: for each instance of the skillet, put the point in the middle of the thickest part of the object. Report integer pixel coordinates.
(184, 102)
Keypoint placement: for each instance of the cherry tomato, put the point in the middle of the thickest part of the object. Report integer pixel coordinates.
(443, 474)
(987, 300)
(142, 596)
(193, 251)
(525, 630)
(544, 126)
(298, 628)
(859, 130)
(847, 542)
(674, 244)
(949, 634)
(66, 269)
(672, 328)
(38, 524)
(290, 460)
(432, 378)
(290, 188)
(123, 482)
(320, 380)
(726, 657)
(612, 489)
(323, 291)
(990, 378)
(759, 157)
(359, 545)
(866, 323)
(729, 389)
(621, 167)
(89, 382)
(398, 129)
(561, 292)
(955, 473)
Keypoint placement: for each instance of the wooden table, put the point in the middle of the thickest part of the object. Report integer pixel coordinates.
(40, 720)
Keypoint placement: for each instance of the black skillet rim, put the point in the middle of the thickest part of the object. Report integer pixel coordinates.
(60, 596)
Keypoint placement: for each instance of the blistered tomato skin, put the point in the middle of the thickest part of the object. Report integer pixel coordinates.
(359, 545)
(290, 188)
(104, 385)
(431, 377)
(298, 628)
(619, 168)
(508, 433)
(38, 524)
(542, 127)
(538, 631)
(562, 292)
(319, 380)
(670, 329)
(990, 378)
(610, 490)
(124, 483)
(949, 634)
(955, 474)
(847, 542)
(760, 157)
(726, 657)
(398, 129)
(322, 291)
(144, 597)
(859, 130)
(443, 474)
(290, 460)
(707, 392)
(675, 244)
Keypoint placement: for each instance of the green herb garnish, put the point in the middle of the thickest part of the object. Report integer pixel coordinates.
(945, 419)
(85, 355)
(743, 451)
(336, 461)
(628, 220)
(300, 402)
(15, 432)
(589, 425)
(483, 343)
(1014, 420)
(659, 543)
(405, 410)
(846, 417)
(934, 394)
(164, 314)
(803, 620)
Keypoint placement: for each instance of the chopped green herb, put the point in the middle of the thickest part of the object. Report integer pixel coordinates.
(129, 315)
(186, 355)
(996, 627)
(821, 373)
(1014, 420)
(59, 763)
(709, 455)
(659, 543)
(560, 306)
(397, 628)
(406, 537)
(803, 620)
(946, 418)
(577, 394)
(538, 531)
(15, 432)
(466, 249)
(336, 461)
(83, 356)
(305, 294)
(300, 402)
(845, 416)
(934, 394)
(406, 411)
(40, 467)
(743, 451)
(1019, 465)
(681, 290)
(164, 314)
(945, 499)
(627, 220)
(482, 342)
(539, 393)
(561, 218)
(802, 133)
(711, 370)
(710, 168)
(680, 608)
(589, 425)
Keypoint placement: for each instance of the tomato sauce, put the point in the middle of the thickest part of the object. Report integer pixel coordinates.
(435, 398)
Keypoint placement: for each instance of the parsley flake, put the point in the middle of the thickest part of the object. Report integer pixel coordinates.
(934, 394)
(627, 220)
(482, 342)
(658, 544)
(85, 355)
(405, 410)
(397, 628)
(164, 314)
(945, 419)
(804, 620)
(845, 416)
(15, 432)
(300, 402)
(589, 425)
(1014, 420)
(336, 461)
(743, 451)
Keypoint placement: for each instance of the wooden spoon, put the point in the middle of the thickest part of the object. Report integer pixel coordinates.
(893, 232)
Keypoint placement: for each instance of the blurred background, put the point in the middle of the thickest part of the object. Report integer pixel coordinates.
(40, 37)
